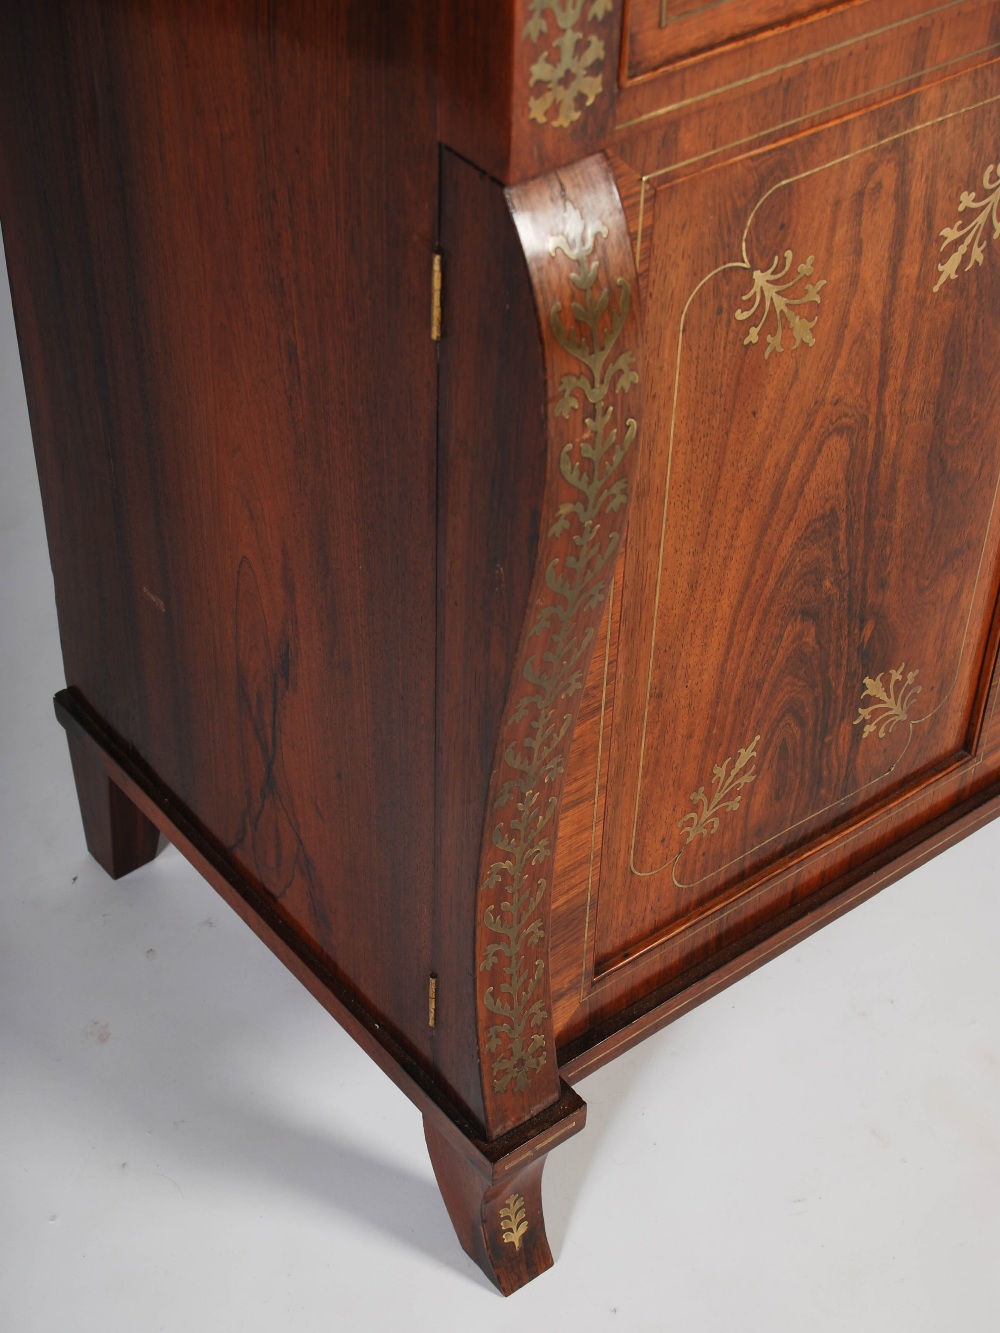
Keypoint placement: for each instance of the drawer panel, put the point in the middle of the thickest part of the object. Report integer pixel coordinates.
(662, 31)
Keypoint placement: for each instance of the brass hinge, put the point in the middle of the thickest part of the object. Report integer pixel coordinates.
(436, 297)
(432, 1001)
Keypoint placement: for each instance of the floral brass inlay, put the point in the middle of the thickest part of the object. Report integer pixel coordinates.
(892, 705)
(514, 1221)
(972, 234)
(575, 587)
(768, 290)
(728, 784)
(566, 70)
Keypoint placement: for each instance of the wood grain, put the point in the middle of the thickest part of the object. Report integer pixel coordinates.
(219, 263)
(353, 616)
(491, 479)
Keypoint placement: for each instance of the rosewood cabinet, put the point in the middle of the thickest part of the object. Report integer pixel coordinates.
(521, 482)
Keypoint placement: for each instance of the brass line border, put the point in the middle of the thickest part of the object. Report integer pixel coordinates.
(597, 799)
(896, 871)
(638, 231)
(785, 65)
(741, 897)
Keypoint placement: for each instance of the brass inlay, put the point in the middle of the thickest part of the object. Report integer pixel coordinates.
(432, 996)
(891, 705)
(514, 1221)
(769, 290)
(972, 233)
(436, 285)
(728, 784)
(566, 70)
(574, 585)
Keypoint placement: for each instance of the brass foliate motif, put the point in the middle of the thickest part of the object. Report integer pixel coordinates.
(569, 69)
(728, 784)
(769, 294)
(892, 703)
(514, 1221)
(973, 233)
(575, 587)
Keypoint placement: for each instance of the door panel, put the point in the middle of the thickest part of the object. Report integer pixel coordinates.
(812, 570)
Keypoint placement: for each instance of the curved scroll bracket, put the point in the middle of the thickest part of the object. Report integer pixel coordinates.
(575, 239)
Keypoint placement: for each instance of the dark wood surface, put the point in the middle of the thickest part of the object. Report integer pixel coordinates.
(353, 615)
(105, 753)
(491, 474)
(119, 836)
(219, 262)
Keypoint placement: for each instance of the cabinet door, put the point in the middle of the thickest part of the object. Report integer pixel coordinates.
(803, 640)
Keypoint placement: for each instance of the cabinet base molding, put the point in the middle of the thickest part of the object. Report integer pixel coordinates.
(486, 1184)
(654, 1011)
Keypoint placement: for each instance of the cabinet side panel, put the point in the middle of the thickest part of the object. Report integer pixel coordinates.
(491, 478)
(219, 221)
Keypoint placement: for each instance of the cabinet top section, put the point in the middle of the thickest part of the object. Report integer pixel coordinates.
(529, 85)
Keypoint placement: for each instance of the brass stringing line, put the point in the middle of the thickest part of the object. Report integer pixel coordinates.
(638, 237)
(897, 872)
(597, 798)
(736, 900)
(804, 175)
(663, 534)
(788, 64)
(666, 19)
(821, 111)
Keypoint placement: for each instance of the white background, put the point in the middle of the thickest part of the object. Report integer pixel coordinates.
(188, 1142)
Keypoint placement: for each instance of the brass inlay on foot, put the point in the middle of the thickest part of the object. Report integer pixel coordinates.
(514, 1221)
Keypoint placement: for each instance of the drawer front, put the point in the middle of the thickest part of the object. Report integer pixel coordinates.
(800, 665)
(662, 31)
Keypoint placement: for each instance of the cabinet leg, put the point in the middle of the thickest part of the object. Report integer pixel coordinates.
(119, 836)
(496, 1205)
